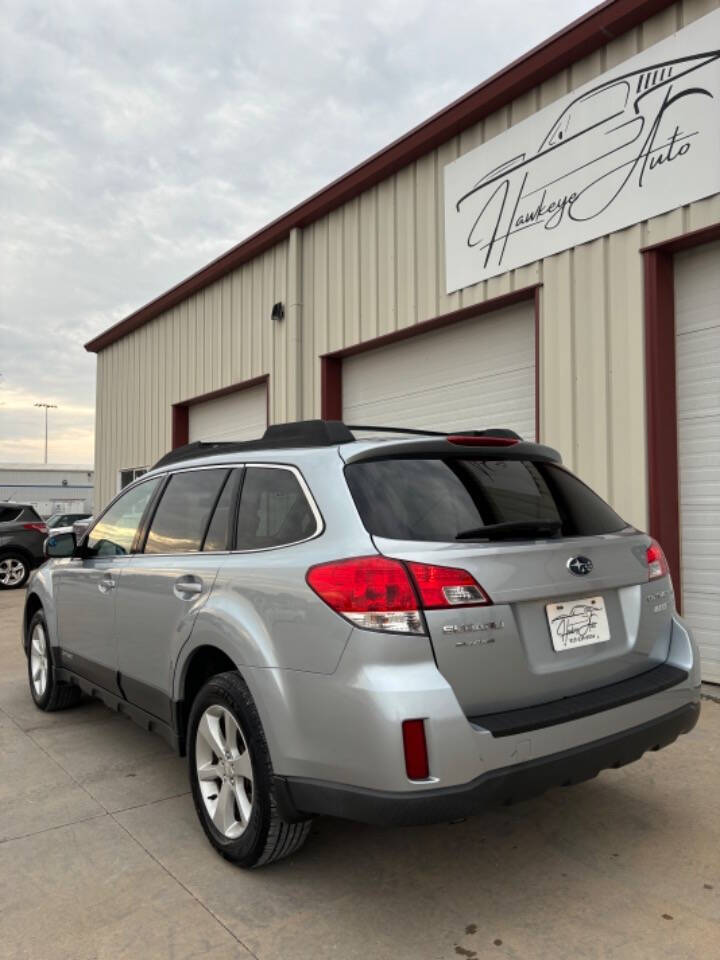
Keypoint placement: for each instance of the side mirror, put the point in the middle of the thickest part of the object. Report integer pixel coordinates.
(60, 545)
(80, 528)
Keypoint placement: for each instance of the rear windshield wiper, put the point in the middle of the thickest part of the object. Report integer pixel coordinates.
(509, 529)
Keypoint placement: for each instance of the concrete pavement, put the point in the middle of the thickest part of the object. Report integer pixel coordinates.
(101, 856)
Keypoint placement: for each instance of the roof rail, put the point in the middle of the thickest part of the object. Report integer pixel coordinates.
(303, 433)
(309, 433)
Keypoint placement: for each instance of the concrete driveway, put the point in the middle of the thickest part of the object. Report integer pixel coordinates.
(101, 856)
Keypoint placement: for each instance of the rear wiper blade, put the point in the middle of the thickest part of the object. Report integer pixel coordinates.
(497, 531)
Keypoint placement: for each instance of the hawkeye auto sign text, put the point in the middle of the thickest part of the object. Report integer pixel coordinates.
(642, 139)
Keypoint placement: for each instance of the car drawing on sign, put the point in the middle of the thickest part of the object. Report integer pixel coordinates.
(580, 620)
(330, 623)
(618, 131)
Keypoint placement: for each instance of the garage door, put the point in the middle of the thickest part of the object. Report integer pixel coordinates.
(236, 416)
(474, 374)
(697, 313)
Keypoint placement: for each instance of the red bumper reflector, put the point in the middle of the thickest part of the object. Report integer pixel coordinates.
(416, 756)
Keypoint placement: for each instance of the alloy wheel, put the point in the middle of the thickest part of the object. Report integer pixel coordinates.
(12, 571)
(224, 771)
(39, 664)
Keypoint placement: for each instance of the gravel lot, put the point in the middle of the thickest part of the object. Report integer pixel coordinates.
(101, 856)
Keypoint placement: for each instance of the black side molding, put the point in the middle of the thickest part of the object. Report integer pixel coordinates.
(505, 785)
(510, 722)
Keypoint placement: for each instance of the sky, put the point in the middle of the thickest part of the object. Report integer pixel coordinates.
(138, 141)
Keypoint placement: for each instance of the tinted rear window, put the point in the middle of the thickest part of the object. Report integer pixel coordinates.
(428, 499)
(183, 513)
(8, 514)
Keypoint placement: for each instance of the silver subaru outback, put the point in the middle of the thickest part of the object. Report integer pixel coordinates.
(397, 629)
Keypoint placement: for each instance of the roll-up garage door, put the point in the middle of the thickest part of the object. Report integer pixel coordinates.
(473, 374)
(697, 332)
(236, 416)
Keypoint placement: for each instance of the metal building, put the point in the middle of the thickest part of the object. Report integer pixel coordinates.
(49, 487)
(543, 254)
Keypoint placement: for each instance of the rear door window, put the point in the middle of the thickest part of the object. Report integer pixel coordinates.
(219, 532)
(435, 499)
(182, 516)
(9, 514)
(274, 510)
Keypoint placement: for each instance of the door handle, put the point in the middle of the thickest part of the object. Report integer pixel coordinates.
(107, 584)
(188, 587)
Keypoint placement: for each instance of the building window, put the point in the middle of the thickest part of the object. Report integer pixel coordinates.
(129, 474)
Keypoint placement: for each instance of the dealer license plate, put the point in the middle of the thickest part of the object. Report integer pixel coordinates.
(577, 623)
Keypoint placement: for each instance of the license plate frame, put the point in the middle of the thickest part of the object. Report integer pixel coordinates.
(581, 622)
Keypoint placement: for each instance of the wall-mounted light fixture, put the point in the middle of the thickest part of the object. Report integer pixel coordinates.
(278, 312)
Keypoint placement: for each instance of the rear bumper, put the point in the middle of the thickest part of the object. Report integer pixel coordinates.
(298, 796)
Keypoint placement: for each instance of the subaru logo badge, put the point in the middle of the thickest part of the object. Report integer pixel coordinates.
(580, 566)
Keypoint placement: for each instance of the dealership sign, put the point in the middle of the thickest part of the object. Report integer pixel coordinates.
(642, 139)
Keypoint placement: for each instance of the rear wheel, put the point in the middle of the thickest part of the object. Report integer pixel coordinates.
(14, 571)
(47, 692)
(232, 777)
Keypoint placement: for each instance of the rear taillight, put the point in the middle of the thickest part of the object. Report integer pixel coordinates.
(656, 563)
(37, 527)
(446, 587)
(415, 747)
(372, 592)
(378, 593)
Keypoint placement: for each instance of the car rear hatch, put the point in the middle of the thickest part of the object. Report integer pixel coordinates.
(565, 580)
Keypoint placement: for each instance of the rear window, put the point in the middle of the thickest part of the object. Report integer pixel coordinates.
(8, 514)
(432, 499)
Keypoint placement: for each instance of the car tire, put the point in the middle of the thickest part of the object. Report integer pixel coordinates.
(14, 570)
(47, 692)
(231, 776)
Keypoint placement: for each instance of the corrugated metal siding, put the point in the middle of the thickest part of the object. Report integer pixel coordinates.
(377, 265)
(221, 336)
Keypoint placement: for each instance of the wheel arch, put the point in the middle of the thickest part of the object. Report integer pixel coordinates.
(33, 603)
(199, 664)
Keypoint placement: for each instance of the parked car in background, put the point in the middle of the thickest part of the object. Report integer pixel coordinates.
(58, 520)
(22, 535)
(396, 630)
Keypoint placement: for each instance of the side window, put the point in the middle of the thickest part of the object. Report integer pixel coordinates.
(8, 514)
(183, 513)
(219, 530)
(273, 510)
(113, 534)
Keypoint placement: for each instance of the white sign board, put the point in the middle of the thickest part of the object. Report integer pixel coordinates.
(642, 139)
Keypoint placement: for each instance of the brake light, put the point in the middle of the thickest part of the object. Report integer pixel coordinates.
(446, 587)
(372, 592)
(415, 747)
(656, 562)
(37, 527)
(488, 441)
(378, 593)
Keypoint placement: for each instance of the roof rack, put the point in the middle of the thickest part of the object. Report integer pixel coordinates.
(310, 433)
(303, 433)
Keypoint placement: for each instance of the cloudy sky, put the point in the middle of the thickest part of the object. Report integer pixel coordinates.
(140, 140)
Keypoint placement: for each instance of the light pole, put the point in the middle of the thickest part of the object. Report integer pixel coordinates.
(46, 407)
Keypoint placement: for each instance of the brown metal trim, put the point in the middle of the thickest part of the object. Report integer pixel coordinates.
(180, 425)
(536, 300)
(331, 363)
(660, 392)
(661, 405)
(686, 240)
(580, 38)
(181, 410)
(331, 388)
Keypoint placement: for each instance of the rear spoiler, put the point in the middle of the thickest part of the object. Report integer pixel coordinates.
(437, 448)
